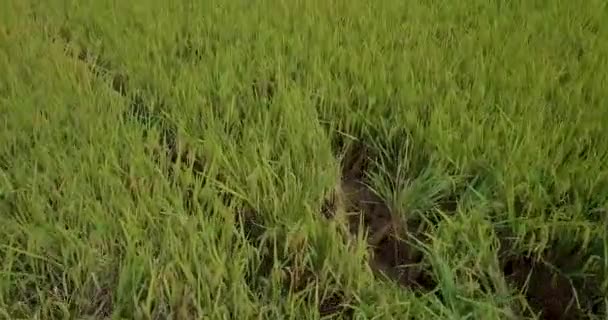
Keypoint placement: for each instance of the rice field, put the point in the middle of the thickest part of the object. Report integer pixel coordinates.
(303, 159)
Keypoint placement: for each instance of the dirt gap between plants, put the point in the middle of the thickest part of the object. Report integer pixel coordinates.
(387, 236)
(548, 289)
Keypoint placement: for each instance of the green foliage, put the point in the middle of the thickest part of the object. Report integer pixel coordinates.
(501, 104)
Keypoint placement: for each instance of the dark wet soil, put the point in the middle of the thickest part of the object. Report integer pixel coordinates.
(392, 254)
(333, 306)
(543, 280)
(550, 292)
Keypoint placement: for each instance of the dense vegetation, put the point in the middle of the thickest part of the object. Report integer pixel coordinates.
(302, 159)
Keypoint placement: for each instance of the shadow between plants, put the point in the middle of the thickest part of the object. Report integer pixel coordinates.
(296, 277)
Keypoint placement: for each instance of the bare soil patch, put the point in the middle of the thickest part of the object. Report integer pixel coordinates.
(389, 238)
(552, 284)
